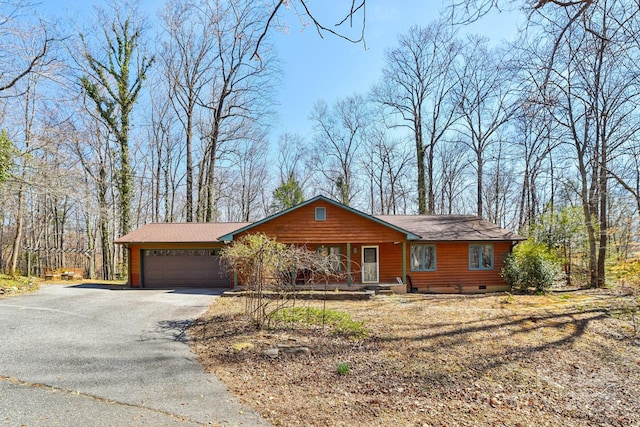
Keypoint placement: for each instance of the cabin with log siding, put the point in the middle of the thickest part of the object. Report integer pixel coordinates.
(427, 253)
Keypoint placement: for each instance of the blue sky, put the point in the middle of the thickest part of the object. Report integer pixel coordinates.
(326, 68)
(329, 68)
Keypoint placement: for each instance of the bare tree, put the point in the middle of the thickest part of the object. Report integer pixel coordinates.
(292, 156)
(248, 162)
(386, 162)
(355, 14)
(596, 100)
(340, 131)
(23, 48)
(417, 84)
(29, 103)
(454, 163)
(166, 155)
(467, 11)
(483, 97)
(96, 159)
(237, 96)
(190, 60)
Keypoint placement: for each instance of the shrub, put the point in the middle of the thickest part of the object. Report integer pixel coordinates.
(627, 272)
(531, 265)
(343, 368)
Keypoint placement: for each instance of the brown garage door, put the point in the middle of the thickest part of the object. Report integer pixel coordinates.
(192, 268)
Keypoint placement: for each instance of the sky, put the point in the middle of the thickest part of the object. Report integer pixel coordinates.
(327, 68)
(330, 68)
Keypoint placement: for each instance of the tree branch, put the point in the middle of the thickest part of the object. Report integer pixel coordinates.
(32, 65)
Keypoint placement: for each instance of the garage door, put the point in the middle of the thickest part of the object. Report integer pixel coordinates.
(193, 268)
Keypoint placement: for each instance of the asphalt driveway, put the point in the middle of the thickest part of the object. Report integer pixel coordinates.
(88, 355)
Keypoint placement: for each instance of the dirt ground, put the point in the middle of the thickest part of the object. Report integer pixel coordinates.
(570, 359)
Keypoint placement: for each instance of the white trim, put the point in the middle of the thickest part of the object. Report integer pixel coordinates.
(362, 249)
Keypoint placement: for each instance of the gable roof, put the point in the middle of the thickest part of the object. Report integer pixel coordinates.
(409, 234)
(451, 227)
(187, 232)
(415, 227)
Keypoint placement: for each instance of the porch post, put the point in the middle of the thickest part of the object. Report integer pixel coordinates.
(235, 276)
(404, 261)
(348, 264)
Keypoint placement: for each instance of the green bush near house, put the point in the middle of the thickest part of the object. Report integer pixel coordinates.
(532, 266)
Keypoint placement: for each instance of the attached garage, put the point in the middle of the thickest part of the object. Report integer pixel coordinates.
(193, 268)
(170, 255)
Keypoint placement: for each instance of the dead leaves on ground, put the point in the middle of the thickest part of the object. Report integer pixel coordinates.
(437, 361)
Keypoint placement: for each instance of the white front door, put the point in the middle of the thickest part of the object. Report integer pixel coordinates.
(369, 264)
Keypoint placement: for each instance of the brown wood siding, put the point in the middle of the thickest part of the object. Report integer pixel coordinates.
(135, 270)
(341, 225)
(389, 260)
(134, 266)
(452, 270)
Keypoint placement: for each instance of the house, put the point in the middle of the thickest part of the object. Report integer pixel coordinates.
(432, 253)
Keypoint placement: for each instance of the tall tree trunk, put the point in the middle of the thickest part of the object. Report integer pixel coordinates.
(189, 131)
(157, 183)
(588, 219)
(91, 247)
(105, 240)
(420, 155)
(15, 249)
(479, 186)
(523, 218)
(213, 145)
(431, 202)
(603, 223)
(168, 211)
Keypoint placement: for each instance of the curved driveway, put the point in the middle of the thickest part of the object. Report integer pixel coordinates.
(93, 356)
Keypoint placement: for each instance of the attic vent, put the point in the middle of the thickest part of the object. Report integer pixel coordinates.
(321, 214)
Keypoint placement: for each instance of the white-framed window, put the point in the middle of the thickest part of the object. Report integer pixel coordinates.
(321, 213)
(481, 256)
(423, 257)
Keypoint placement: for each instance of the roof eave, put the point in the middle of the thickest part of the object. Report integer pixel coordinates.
(229, 237)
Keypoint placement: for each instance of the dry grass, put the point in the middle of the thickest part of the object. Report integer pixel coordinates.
(16, 285)
(565, 359)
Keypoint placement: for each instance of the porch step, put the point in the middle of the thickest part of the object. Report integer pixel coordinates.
(380, 289)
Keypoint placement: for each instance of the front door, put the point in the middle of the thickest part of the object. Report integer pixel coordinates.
(369, 264)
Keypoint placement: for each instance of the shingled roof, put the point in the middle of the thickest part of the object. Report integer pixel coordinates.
(419, 227)
(450, 227)
(189, 232)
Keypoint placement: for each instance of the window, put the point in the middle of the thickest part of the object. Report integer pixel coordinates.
(423, 258)
(481, 257)
(321, 214)
(334, 254)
